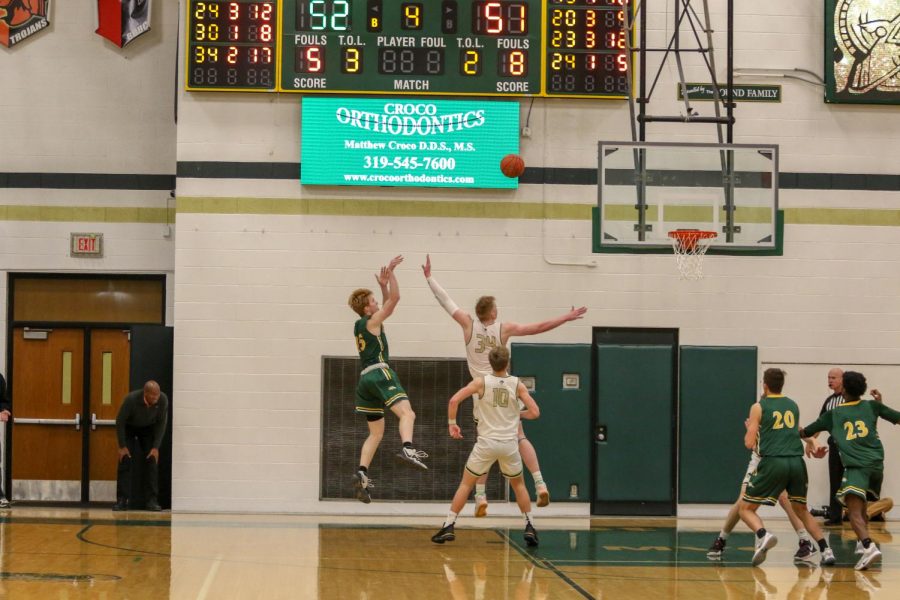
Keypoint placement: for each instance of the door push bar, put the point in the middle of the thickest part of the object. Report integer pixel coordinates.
(95, 421)
(27, 421)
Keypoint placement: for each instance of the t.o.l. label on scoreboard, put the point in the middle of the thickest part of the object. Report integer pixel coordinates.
(407, 143)
(86, 245)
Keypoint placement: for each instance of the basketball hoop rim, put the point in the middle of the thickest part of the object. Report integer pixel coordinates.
(688, 238)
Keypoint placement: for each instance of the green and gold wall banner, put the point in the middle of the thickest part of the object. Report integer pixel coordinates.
(862, 51)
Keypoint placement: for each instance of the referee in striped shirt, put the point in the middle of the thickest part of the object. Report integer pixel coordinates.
(835, 466)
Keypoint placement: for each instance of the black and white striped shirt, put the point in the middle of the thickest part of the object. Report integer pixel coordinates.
(829, 404)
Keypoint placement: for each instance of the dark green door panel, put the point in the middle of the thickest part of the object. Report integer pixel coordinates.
(635, 403)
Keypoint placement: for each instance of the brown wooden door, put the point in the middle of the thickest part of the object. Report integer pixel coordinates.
(48, 392)
(109, 367)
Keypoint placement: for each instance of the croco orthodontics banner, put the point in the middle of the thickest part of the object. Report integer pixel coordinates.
(407, 143)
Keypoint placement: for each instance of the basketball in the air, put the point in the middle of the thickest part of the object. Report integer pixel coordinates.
(512, 165)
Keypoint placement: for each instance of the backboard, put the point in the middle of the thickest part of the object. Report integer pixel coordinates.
(646, 190)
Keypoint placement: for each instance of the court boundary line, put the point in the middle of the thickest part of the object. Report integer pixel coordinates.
(544, 563)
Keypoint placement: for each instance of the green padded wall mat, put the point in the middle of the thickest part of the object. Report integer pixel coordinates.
(718, 386)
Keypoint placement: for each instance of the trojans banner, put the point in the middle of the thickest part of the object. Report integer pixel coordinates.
(20, 19)
(121, 21)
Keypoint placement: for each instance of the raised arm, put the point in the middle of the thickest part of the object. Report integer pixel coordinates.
(460, 316)
(476, 386)
(514, 329)
(752, 424)
(391, 290)
(532, 412)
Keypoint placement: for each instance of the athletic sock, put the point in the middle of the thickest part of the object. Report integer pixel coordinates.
(866, 543)
(761, 532)
(363, 469)
(528, 518)
(480, 489)
(823, 545)
(451, 518)
(724, 534)
(538, 478)
(803, 535)
(407, 444)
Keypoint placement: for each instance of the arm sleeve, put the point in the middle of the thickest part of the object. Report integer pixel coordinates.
(159, 429)
(442, 297)
(121, 419)
(887, 413)
(4, 400)
(823, 423)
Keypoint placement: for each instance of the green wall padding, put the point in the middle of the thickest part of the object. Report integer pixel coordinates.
(562, 434)
(635, 396)
(718, 386)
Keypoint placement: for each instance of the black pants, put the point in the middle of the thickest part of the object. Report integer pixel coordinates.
(139, 442)
(835, 475)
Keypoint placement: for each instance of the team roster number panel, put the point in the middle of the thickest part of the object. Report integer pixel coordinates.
(574, 48)
(231, 45)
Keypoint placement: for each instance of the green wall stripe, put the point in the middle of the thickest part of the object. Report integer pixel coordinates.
(842, 216)
(385, 208)
(516, 210)
(422, 208)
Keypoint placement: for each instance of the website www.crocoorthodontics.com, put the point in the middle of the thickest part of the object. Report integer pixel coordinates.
(409, 178)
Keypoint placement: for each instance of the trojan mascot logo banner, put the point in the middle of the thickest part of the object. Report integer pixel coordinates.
(121, 21)
(20, 19)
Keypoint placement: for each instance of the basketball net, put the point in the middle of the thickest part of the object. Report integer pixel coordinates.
(690, 247)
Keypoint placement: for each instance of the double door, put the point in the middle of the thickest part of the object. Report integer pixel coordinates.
(67, 385)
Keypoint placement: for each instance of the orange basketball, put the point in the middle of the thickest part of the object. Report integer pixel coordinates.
(512, 165)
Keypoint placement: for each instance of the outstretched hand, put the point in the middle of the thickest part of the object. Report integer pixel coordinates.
(394, 262)
(383, 277)
(426, 268)
(576, 313)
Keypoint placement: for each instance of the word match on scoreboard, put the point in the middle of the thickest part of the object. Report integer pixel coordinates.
(554, 48)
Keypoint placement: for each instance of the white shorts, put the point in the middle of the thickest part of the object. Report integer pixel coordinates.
(751, 468)
(487, 451)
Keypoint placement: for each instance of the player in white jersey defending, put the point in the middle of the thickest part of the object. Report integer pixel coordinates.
(497, 396)
(481, 335)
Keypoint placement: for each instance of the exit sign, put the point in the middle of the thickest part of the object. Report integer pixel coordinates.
(87, 244)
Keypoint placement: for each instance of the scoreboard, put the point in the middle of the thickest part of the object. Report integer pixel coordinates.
(551, 48)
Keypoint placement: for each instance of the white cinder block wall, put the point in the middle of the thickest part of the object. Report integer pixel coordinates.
(260, 298)
(74, 103)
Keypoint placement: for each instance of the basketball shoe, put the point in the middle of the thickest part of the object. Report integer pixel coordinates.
(413, 457)
(363, 484)
(717, 549)
(763, 545)
(870, 555)
(446, 534)
(481, 505)
(531, 535)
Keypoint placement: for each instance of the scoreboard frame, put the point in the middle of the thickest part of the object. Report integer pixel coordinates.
(245, 75)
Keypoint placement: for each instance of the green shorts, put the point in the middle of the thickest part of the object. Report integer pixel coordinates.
(377, 389)
(774, 475)
(864, 482)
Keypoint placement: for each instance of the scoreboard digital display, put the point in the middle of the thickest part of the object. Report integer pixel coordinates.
(553, 48)
(232, 45)
(586, 48)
